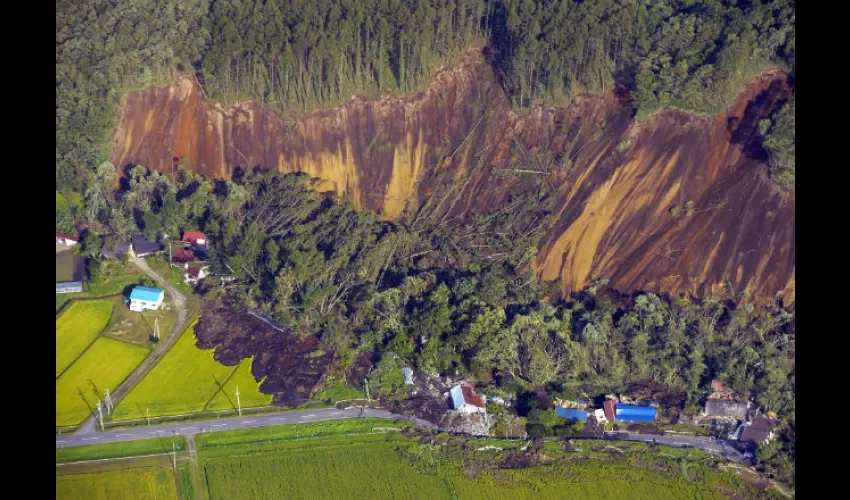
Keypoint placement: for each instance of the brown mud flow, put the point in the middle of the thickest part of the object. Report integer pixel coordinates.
(676, 203)
(288, 361)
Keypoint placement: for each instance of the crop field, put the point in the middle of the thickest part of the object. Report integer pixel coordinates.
(185, 381)
(249, 390)
(121, 449)
(77, 327)
(348, 459)
(141, 483)
(103, 365)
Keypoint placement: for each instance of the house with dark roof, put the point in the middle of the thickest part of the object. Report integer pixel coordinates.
(138, 246)
(760, 430)
(721, 408)
(465, 401)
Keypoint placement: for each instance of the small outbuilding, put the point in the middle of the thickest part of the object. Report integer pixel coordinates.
(408, 375)
(142, 298)
(69, 287)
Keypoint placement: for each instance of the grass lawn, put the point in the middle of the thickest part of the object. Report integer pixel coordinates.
(348, 459)
(124, 449)
(137, 327)
(143, 483)
(103, 365)
(173, 274)
(77, 327)
(183, 382)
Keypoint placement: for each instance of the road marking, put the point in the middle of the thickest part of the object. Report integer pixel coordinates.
(249, 421)
(123, 435)
(335, 413)
(217, 425)
(278, 418)
(150, 433)
(185, 428)
(90, 439)
(311, 415)
(59, 442)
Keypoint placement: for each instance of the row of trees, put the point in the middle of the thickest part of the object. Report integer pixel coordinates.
(299, 55)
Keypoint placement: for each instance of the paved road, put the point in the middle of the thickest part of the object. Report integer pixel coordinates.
(179, 302)
(190, 429)
(704, 443)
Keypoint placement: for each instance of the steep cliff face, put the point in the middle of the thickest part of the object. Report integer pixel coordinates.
(676, 203)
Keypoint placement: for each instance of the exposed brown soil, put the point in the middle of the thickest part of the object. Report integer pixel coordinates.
(613, 210)
(289, 362)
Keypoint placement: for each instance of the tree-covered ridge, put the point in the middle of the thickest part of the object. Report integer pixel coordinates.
(299, 55)
(780, 143)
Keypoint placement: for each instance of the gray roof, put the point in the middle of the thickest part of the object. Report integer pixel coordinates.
(725, 408)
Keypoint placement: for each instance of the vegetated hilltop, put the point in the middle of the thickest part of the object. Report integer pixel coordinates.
(675, 203)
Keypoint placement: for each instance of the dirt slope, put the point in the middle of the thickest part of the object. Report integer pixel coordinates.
(615, 198)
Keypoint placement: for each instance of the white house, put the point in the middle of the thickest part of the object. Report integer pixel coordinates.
(465, 401)
(142, 298)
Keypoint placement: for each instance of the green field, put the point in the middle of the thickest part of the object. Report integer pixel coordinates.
(103, 365)
(350, 459)
(122, 449)
(143, 483)
(77, 327)
(186, 380)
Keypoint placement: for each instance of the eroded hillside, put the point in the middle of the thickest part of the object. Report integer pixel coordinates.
(676, 203)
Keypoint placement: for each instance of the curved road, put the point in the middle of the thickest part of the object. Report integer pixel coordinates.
(159, 351)
(710, 445)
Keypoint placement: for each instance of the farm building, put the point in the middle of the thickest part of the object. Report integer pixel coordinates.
(195, 238)
(634, 413)
(465, 400)
(62, 239)
(142, 298)
(760, 430)
(722, 408)
(69, 287)
(408, 375)
(573, 413)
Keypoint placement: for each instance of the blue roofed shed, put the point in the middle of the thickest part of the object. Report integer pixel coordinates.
(574, 413)
(635, 413)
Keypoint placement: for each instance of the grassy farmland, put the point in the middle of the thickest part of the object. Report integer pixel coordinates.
(77, 327)
(141, 483)
(121, 449)
(350, 459)
(187, 380)
(103, 365)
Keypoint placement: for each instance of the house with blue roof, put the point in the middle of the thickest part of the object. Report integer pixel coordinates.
(142, 298)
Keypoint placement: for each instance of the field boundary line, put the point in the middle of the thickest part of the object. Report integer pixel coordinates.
(114, 458)
(99, 335)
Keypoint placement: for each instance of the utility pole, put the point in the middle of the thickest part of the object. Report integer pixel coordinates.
(108, 402)
(238, 402)
(100, 414)
(156, 328)
(174, 452)
(367, 390)
(148, 416)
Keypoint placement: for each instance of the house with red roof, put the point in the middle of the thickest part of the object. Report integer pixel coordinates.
(465, 401)
(196, 239)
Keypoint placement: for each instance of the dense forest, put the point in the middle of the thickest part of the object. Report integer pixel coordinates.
(298, 55)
